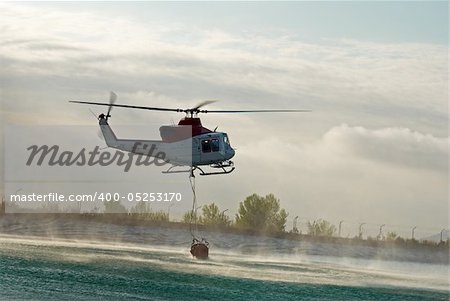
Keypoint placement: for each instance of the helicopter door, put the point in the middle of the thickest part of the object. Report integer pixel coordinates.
(196, 151)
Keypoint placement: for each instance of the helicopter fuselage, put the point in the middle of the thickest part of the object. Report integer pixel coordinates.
(181, 145)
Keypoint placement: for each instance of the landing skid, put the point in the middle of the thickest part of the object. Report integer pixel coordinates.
(226, 168)
(175, 171)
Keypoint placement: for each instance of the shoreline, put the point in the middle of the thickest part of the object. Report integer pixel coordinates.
(397, 250)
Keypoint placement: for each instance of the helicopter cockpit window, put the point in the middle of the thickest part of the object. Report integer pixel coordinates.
(206, 146)
(215, 145)
(225, 139)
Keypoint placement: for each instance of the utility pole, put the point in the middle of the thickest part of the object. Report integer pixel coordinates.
(412, 232)
(314, 232)
(222, 214)
(223, 220)
(360, 230)
(3, 207)
(294, 225)
(380, 234)
(442, 232)
(340, 227)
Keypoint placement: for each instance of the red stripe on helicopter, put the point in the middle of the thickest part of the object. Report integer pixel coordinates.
(186, 128)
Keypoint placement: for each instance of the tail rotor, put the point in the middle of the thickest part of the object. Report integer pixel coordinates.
(112, 100)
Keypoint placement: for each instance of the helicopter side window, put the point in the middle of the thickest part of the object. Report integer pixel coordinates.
(210, 145)
(215, 145)
(206, 146)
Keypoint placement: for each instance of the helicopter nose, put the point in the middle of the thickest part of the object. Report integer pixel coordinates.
(231, 153)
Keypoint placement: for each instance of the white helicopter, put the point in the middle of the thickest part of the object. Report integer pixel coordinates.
(186, 144)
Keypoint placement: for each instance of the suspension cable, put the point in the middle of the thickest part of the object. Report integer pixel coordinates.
(194, 204)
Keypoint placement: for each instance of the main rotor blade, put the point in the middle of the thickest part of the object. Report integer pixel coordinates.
(202, 104)
(195, 110)
(253, 111)
(127, 106)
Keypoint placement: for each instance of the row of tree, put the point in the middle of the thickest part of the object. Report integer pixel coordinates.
(262, 213)
(256, 213)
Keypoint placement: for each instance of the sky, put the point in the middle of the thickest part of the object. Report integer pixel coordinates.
(374, 148)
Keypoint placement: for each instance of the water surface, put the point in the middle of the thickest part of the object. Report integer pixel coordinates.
(137, 263)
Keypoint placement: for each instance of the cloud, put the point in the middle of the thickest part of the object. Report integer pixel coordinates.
(400, 146)
(395, 92)
(342, 146)
(391, 175)
(85, 46)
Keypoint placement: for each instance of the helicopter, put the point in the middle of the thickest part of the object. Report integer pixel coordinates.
(187, 144)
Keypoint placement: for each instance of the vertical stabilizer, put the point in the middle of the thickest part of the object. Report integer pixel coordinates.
(110, 137)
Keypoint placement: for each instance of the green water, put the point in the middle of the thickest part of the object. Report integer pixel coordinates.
(40, 269)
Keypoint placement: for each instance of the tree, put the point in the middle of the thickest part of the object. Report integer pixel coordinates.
(114, 207)
(142, 210)
(211, 215)
(391, 236)
(262, 214)
(321, 227)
